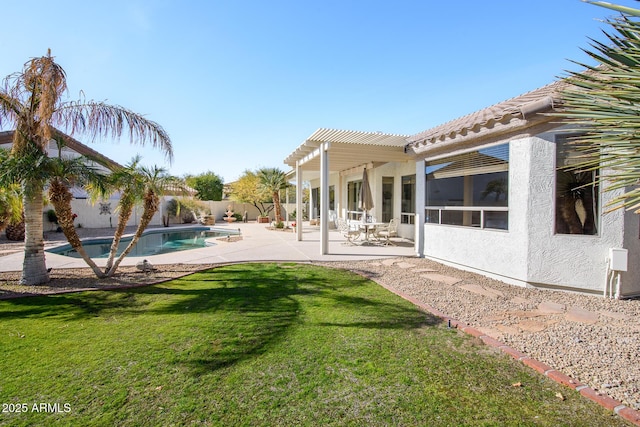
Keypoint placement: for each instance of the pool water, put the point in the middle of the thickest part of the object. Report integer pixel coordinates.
(152, 242)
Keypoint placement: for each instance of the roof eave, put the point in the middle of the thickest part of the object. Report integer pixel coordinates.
(512, 127)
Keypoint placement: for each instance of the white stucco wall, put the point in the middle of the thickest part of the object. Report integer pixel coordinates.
(631, 279)
(496, 253)
(89, 215)
(565, 260)
(530, 252)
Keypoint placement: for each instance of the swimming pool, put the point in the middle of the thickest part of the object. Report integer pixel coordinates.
(152, 242)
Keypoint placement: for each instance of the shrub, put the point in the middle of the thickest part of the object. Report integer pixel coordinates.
(51, 216)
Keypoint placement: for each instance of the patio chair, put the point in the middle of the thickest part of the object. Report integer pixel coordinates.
(387, 231)
(349, 231)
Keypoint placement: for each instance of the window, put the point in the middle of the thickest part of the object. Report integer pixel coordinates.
(315, 197)
(315, 194)
(469, 189)
(353, 195)
(387, 198)
(576, 195)
(408, 203)
(332, 197)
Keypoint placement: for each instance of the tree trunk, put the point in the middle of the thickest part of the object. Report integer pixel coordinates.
(34, 267)
(126, 209)
(60, 198)
(276, 203)
(151, 204)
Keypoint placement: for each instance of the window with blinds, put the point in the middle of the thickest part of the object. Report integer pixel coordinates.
(484, 161)
(469, 189)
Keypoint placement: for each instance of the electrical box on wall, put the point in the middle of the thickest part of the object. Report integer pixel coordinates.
(618, 259)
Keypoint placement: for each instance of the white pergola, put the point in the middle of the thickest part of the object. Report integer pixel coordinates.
(340, 151)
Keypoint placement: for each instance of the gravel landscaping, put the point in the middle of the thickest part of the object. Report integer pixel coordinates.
(590, 338)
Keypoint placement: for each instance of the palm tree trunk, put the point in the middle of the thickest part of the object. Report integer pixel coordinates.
(125, 213)
(34, 267)
(151, 204)
(276, 203)
(60, 198)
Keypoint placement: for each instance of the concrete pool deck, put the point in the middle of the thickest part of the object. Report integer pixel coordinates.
(258, 243)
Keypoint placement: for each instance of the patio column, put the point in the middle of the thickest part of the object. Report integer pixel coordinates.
(324, 198)
(299, 208)
(421, 187)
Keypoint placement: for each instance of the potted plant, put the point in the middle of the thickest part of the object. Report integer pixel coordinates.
(263, 219)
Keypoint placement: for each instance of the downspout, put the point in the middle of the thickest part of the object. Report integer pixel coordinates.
(419, 219)
(535, 107)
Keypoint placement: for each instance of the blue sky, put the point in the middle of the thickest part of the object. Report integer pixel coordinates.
(240, 84)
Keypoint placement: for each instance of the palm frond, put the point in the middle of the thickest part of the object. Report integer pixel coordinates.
(604, 101)
(98, 119)
(623, 9)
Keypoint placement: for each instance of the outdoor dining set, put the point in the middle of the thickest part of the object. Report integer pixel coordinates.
(369, 232)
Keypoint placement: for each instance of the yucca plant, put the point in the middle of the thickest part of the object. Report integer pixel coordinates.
(604, 100)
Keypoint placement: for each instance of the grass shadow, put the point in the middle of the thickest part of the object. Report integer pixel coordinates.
(226, 314)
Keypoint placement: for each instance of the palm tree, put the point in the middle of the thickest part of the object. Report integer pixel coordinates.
(273, 180)
(604, 99)
(26, 168)
(147, 184)
(64, 174)
(31, 100)
(10, 199)
(131, 187)
(10, 205)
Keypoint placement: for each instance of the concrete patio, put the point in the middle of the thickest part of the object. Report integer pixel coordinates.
(258, 243)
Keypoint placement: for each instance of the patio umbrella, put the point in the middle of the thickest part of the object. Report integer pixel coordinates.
(366, 199)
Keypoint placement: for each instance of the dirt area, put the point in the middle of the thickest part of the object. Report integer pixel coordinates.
(83, 278)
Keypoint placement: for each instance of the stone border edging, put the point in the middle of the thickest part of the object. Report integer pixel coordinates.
(623, 411)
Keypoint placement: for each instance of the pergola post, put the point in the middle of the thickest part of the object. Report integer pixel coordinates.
(421, 186)
(324, 198)
(299, 208)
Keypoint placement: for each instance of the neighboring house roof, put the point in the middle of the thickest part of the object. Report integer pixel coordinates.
(512, 115)
(6, 138)
(349, 149)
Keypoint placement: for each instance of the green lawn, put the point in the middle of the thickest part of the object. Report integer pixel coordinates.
(261, 344)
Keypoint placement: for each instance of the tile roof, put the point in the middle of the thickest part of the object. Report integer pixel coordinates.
(521, 107)
(73, 144)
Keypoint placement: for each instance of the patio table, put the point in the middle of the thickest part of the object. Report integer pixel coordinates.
(369, 227)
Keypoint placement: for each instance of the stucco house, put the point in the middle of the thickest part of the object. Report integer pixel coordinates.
(484, 193)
